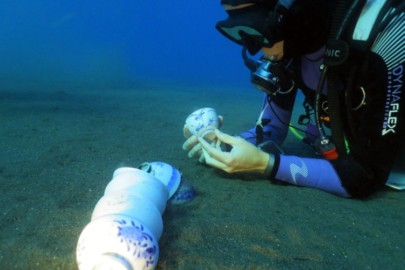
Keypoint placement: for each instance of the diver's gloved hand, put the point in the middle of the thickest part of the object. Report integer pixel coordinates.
(193, 147)
(244, 156)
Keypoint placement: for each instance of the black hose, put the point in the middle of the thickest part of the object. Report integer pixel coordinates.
(340, 18)
(348, 100)
(334, 111)
(318, 99)
(343, 12)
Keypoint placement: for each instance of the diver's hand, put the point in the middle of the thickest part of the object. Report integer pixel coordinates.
(192, 146)
(244, 156)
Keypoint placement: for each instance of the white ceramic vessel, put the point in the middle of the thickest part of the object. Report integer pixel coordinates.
(117, 242)
(166, 173)
(127, 221)
(203, 122)
(131, 204)
(122, 170)
(141, 182)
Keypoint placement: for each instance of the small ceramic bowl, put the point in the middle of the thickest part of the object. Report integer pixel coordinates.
(166, 173)
(203, 122)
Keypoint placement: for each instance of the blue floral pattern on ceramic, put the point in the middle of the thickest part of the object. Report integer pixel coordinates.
(200, 120)
(113, 235)
(138, 242)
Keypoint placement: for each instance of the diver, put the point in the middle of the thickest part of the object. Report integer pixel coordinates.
(348, 59)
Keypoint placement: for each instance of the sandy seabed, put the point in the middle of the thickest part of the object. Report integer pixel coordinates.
(61, 142)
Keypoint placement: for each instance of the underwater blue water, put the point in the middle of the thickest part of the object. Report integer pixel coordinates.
(117, 41)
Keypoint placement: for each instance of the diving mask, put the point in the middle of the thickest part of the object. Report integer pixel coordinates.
(253, 27)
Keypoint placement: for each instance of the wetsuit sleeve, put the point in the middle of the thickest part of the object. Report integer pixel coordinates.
(275, 120)
(309, 172)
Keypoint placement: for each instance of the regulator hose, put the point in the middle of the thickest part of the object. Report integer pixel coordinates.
(343, 12)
